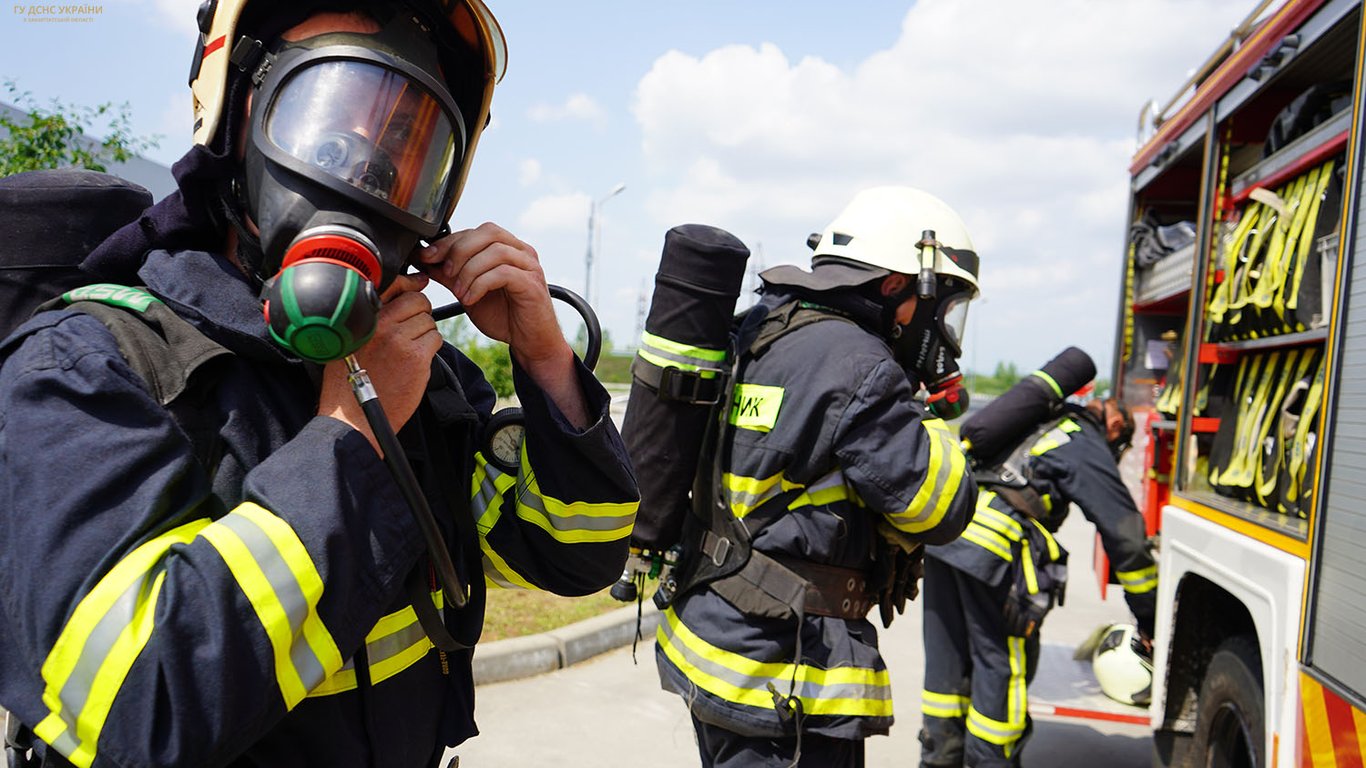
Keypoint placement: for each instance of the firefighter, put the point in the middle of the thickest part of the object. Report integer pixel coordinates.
(264, 603)
(987, 592)
(837, 473)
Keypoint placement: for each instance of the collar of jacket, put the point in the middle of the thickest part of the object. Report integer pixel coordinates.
(210, 292)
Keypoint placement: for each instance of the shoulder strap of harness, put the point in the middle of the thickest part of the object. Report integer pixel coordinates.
(163, 349)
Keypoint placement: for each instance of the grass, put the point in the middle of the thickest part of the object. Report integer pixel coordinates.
(517, 612)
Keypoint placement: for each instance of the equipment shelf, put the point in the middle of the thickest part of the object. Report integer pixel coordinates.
(1316, 146)
(1230, 351)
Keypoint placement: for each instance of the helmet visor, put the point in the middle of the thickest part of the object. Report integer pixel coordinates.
(953, 319)
(370, 127)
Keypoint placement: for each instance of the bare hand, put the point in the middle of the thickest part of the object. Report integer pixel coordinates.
(398, 358)
(500, 281)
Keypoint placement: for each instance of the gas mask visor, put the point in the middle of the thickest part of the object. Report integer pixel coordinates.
(370, 132)
(953, 321)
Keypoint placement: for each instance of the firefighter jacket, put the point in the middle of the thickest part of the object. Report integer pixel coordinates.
(826, 439)
(157, 613)
(1069, 464)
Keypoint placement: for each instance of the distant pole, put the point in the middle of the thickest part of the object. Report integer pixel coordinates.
(592, 235)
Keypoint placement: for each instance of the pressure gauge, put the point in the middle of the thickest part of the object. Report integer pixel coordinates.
(503, 435)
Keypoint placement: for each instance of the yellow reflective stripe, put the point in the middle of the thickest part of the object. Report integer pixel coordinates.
(948, 705)
(573, 522)
(1050, 381)
(498, 573)
(1139, 581)
(98, 645)
(940, 486)
(396, 643)
(998, 521)
(488, 484)
(677, 348)
(746, 494)
(661, 362)
(850, 691)
(989, 540)
(1005, 733)
(486, 501)
(1031, 578)
(304, 651)
(1054, 551)
(1059, 435)
(827, 490)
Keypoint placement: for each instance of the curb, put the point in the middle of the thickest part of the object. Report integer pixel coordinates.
(519, 657)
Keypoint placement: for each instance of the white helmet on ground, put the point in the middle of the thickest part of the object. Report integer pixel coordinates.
(1122, 666)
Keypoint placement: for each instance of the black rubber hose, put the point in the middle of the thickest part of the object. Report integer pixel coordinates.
(407, 484)
(590, 320)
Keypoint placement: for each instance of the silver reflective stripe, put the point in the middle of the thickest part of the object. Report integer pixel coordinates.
(569, 523)
(287, 591)
(97, 649)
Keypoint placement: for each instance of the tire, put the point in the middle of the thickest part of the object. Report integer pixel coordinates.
(1230, 723)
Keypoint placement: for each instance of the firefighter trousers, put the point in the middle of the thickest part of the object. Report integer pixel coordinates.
(974, 703)
(721, 748)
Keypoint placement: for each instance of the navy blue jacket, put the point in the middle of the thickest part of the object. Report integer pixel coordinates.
(153, 615)
(1069, 464)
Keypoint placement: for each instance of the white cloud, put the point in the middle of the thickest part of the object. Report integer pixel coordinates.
(555, 213)
(578, 107)
(1019, 113)
(528, 171)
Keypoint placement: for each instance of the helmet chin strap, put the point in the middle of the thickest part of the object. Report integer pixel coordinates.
(232, 202)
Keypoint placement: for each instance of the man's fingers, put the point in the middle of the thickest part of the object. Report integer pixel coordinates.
(498, 259)
(406, 304)
(405, 284)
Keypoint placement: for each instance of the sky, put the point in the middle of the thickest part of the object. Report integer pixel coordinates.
(763, 118)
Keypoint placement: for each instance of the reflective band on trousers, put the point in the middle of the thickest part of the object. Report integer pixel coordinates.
(114, 622)
(1139, 581)
(396, 643)
(1004, 733)
(665, 353)
(937, 491)
(945, 705)
(851, 691)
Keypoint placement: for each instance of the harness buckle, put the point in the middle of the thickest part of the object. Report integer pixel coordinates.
(690, 386)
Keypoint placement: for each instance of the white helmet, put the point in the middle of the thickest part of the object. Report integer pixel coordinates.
(893, 228)
(1123, 669)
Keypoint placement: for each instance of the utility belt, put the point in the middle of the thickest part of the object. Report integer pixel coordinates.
(780, 587)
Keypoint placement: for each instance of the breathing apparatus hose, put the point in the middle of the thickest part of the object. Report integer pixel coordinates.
(590, 320)
(407, 482)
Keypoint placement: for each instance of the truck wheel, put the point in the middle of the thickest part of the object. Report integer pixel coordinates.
(1230, 723)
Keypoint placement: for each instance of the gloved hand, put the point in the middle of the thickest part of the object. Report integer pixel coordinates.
(903, 565)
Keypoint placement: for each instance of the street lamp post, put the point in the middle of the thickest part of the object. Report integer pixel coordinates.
(592, 235)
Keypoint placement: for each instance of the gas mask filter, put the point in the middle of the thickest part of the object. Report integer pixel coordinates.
(351, 161)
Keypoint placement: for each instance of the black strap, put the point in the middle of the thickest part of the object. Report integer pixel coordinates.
(19, 744)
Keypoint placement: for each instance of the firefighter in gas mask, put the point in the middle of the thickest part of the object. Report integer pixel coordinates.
(269, 601)
(835, 472)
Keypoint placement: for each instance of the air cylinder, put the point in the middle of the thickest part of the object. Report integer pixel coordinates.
(679, 373)
(993, 431)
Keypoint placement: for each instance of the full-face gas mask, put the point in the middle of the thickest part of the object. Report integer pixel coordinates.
(929, 346)
(351, 159)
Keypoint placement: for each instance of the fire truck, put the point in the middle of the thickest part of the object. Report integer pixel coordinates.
(1241, 345)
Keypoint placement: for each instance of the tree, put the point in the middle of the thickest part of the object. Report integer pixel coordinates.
(55, 137)
(492, 357)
